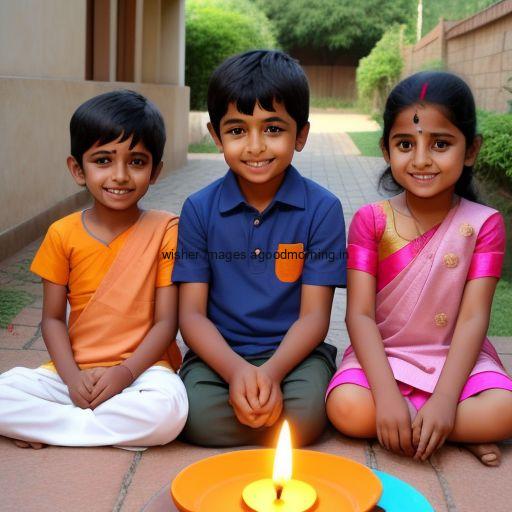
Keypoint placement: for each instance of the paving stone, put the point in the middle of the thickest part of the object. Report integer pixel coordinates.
(60, 479)
(28, 316)
(16, 336)
(28, 358)
(503, 344)
(337, 444)
(420, 475)
(474, 486)
(506, 359)
(158, 467)
(38, 344)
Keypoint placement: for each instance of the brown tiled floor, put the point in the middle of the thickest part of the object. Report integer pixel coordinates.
(104, 479)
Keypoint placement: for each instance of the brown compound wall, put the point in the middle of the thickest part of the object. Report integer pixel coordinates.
(478, 48)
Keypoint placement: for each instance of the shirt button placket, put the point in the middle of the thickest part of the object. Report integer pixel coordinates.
(257, 244)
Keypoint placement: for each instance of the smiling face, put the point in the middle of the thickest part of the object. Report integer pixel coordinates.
(427, 157)
(259, 147)
(115, 175)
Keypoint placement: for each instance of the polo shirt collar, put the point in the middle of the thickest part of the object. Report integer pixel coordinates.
(292, 192)
(230, 196)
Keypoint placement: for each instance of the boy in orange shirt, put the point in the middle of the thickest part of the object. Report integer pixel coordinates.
(112, 377)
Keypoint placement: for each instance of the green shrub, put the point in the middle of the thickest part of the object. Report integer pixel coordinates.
(494, 162)
(380, 70)
(215, 30)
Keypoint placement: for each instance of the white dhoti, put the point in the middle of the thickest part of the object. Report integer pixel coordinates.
(35, 406)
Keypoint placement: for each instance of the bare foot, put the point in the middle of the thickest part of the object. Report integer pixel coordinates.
(28, 444)
(487, 453)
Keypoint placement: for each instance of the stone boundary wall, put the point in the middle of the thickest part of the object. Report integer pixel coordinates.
(478, 48)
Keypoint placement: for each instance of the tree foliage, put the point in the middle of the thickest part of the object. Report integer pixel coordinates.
(335, 24)
(454, 10)
(215, 30)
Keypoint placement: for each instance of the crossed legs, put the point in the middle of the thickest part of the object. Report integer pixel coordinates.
(480, 421)
(36, 408)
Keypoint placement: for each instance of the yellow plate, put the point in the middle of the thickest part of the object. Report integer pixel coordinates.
(215, 484)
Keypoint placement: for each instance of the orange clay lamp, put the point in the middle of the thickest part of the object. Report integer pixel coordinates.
(239, 481)
(281, 493)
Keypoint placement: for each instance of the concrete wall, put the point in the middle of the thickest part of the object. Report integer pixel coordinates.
(43, 38)
(478, 48)
(34, 123)
(42, 70)
(163, 42)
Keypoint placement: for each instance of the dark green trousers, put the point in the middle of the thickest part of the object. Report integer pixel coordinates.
(212, 421)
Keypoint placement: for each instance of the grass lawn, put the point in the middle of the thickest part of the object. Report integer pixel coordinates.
(205, 146)
(11, 303)
(367, 142)
(501, 319)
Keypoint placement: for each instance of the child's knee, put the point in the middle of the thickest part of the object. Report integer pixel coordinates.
(170, 414)
(351, 411)
(203, 426)
(500, 401)
(212, 422)
(307, 418)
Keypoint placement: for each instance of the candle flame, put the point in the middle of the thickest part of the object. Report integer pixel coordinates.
(283, 459)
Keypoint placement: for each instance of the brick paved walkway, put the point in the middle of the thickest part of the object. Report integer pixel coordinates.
(104, 479)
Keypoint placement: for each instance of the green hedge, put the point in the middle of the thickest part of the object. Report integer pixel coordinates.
(380, 70)
(215, 30)
(494, 162)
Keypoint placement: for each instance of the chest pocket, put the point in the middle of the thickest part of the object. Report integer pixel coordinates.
(289, 262)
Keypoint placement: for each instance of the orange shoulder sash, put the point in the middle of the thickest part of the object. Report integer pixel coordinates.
(120, 313)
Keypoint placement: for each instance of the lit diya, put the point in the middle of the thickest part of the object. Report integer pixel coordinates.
(240, 481)
(280, 492)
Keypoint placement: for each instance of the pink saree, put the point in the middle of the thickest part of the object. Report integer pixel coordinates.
(419, 291)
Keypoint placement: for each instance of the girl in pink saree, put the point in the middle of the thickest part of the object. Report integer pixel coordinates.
(423, 267)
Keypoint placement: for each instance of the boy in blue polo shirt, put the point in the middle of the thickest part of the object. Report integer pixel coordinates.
(259, 254)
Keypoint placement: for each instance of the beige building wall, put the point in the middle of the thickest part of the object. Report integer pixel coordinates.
(43, 38)
(42, 69)
(34, 123)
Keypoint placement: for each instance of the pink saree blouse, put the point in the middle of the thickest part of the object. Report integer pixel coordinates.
(420, 284)
(374, 246)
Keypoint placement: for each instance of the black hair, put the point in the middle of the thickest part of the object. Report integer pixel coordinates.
(454, 97)
(262, 76)
(107, 117)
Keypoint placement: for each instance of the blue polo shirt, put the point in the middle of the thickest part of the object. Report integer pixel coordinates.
(255, 263)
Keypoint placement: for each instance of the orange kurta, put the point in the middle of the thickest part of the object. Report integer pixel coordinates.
(111, 288)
